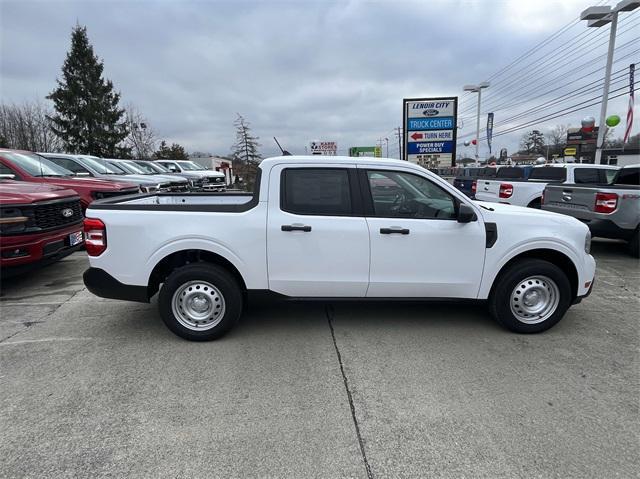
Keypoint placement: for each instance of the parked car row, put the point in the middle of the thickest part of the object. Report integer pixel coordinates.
(43, 197)
(606, 198)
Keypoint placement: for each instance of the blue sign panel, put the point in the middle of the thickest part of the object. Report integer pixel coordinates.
(420, 148)
(438, 123)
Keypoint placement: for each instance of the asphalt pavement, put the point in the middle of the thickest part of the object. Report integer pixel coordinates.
(92, 387)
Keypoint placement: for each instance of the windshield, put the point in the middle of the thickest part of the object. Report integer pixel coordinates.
(190, 166)
(36, 165)
(102, 167)
(145, 167)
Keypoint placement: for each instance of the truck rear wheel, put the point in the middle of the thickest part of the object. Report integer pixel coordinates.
(200, 302)
(531, 296)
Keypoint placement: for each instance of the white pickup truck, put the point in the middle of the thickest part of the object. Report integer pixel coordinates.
(529, 192)
(348, 228)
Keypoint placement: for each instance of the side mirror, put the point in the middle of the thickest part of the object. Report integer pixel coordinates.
(7, 176)
(466, 214)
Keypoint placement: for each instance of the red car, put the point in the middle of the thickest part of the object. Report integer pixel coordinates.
(27, 166)
(39, 224)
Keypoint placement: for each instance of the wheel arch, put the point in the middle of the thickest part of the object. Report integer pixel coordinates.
(553, 256)
(183, 257)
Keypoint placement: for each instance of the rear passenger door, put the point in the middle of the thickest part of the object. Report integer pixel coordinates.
(317, 236)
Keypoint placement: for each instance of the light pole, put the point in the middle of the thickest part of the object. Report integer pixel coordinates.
(477, 88)
(598, 17)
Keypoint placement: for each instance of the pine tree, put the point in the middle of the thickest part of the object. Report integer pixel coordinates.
(245, 149)
(88, 118)
(174, 152)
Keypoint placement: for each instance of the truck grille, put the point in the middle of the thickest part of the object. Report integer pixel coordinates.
(100, 195)
(52, 215)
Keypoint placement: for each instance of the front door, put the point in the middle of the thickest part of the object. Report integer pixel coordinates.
(317, 237)
(418, 248)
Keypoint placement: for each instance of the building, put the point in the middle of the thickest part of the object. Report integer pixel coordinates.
(620, 156)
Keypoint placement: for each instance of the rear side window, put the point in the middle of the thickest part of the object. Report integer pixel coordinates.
(316, 191)
(487, 173)
(551, 173)
(590, 175)
(628, 176)
(512, 172)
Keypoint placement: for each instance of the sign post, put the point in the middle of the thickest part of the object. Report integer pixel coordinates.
(430, 131)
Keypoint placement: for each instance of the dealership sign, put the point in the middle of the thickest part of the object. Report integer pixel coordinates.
(430, 131)
(324, 148)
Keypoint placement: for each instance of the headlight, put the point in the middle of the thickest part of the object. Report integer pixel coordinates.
(587, 243)
(12, 221)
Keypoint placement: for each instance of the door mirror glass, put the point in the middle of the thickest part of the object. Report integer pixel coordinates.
(466, 213)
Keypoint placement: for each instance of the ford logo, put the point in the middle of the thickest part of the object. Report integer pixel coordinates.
(430, 112)
(67, 212)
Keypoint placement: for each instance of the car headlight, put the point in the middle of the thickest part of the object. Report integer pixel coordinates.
(587, 243)
(12, 221)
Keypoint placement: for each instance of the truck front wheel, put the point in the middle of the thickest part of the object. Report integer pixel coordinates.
(531, 296)
(200, 302)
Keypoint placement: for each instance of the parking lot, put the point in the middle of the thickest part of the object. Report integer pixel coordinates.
(94, 387)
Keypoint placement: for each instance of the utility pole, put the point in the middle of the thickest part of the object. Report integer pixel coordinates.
(398, 132)
(477, 89)
(599, 16)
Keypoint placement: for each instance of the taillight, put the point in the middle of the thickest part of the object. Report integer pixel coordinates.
(95, 236)
(606, 202)
(506, 190)
(474, 187)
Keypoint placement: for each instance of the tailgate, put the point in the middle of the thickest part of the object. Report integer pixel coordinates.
(578, 202)
(488, 190)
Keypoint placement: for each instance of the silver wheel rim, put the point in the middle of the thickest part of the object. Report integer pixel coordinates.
(198, 305)
(534, 299)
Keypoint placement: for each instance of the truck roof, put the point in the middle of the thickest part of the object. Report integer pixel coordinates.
(575, 165)
(362, 160)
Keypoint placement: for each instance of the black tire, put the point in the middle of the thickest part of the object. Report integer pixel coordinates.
(515, 274)
(634, 244)
(537, 204)
(230, 293)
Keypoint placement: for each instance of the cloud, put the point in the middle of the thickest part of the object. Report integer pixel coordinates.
(298, 70)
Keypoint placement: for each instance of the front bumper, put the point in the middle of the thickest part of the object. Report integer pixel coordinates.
(21, 253)
(102, 284)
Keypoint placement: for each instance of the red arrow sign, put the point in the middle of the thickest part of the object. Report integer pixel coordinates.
(417, 136)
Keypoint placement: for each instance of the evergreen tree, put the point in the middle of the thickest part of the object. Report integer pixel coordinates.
(88, 118)
(174, 152)
(245, 149)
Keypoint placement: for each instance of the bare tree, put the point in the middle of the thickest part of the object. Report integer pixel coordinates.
(557, 138)
(27, 127)
(141, 141)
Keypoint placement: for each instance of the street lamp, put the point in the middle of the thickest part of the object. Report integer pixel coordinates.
(598, 17)
(477, 88)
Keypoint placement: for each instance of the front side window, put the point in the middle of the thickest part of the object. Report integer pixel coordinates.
(404, 195)
(316, 191)
(36, 165)
(69, 165)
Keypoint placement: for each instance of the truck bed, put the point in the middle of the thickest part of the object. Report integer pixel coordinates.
(197, 201)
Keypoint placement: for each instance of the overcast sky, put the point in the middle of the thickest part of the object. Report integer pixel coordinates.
(305, 70)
